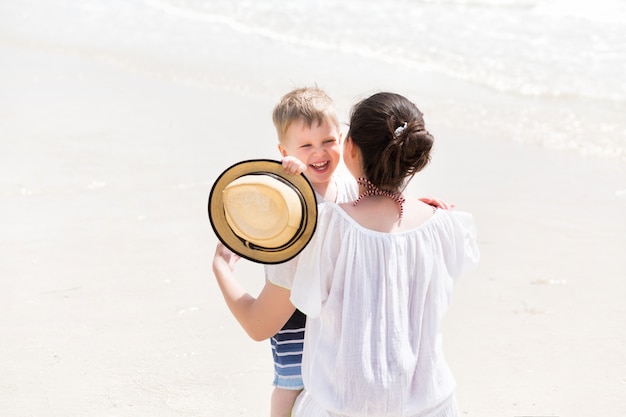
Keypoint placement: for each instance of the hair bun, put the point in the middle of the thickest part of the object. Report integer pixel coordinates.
(389, 130)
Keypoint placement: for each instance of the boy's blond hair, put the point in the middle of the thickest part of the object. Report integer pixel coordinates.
(309, 104)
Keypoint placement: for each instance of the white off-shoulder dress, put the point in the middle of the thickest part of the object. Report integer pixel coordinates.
(374, 304)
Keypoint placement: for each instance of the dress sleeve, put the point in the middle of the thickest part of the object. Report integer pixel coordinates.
(307, 292)
(302, 277)
(462, 253)
(309, 274)
(282, 274)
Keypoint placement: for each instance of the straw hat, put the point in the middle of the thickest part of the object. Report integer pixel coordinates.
(262, 213)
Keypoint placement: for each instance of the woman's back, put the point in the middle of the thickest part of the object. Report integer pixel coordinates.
(375, 280)
(381, 214)
(374, 302)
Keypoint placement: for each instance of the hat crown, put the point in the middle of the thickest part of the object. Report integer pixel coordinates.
(262, 210)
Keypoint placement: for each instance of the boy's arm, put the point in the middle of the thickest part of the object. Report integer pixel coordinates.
(260, 317)
(432, 201)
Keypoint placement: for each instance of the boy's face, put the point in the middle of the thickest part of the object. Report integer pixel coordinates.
(317, 146)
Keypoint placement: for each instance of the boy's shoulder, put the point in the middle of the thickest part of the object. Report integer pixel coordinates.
(341, 175)
(347, 188)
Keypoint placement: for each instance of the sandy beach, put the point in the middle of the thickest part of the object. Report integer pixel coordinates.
(108, 306)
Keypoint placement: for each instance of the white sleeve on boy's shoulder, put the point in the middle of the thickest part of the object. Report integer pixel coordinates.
(347, 188)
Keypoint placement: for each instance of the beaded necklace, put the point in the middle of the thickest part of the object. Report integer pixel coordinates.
(371, 189)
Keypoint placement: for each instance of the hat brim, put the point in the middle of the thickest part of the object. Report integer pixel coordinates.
(232, 241)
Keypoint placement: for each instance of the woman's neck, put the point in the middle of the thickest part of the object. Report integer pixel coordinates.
(367, 188)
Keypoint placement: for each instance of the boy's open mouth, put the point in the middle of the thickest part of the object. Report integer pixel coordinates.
(319, 166)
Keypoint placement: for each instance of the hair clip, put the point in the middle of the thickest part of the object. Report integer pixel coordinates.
(399, 130)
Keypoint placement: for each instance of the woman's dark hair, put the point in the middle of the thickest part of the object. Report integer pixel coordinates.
(389, 130)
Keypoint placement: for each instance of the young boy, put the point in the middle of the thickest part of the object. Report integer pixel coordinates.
(309, 141)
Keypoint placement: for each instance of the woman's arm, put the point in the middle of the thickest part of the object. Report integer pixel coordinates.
(260, 317)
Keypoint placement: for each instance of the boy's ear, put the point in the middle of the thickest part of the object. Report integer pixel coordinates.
(282, 150)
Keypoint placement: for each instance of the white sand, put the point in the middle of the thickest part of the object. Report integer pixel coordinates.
(107, 302)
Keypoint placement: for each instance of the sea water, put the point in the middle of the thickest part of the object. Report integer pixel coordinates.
(548, 72)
